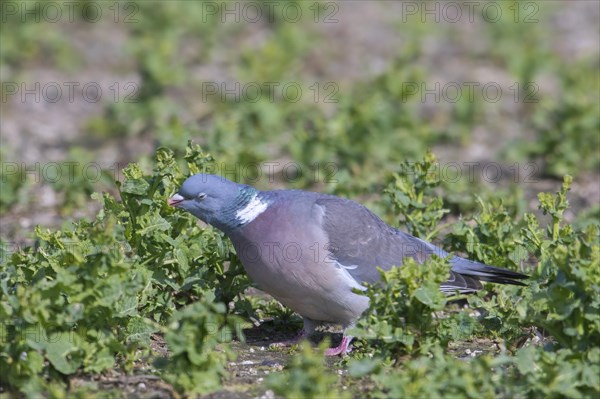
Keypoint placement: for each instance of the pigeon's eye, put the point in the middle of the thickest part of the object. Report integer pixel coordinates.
(201, 196)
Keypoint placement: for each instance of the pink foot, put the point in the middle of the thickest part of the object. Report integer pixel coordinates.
(289, 342)
(343, 349)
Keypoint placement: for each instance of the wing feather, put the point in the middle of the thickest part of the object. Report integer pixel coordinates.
(360, 242)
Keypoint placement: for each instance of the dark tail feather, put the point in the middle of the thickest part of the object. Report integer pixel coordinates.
(487, 273)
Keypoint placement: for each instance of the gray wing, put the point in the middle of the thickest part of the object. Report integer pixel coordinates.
(360, 242)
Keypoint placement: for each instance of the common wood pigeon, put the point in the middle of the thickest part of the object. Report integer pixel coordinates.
(309, 250)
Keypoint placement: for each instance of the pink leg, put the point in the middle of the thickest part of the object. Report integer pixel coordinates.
(343, 349)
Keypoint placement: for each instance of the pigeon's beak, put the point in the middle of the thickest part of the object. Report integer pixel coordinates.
(174, 200)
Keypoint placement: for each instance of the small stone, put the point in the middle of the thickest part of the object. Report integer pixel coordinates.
(268, 395)
(141, 386)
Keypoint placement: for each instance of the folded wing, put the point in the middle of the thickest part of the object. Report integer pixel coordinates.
(360, 241)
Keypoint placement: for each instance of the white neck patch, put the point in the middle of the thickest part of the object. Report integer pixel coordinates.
(254, 208)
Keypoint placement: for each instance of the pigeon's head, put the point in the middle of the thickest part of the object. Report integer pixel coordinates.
(215, 200)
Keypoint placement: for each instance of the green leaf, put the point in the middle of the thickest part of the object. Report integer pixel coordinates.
(139, 330)
(360, 368)
(60, 353)
(426, 296)
(154, 224)
(135, 186)
(102, 360)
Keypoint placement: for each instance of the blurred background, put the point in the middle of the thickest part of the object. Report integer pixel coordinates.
(322, 95)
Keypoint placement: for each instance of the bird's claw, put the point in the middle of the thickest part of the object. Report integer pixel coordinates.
(342, 349)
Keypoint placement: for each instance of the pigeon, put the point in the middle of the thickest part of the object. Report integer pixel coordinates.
(310, 250)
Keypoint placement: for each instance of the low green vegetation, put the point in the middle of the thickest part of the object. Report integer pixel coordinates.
(89, 298)
(307, 376)
(115, 282)
(560, 304)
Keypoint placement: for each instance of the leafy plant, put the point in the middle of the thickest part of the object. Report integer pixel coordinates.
(88, 297)
(411, 193)
(566, 301)
(196, 363)
(184, 264)
(72, 301)
(561, 300)
(306, 376)
(562, 122)
(402, 305)
(490, 236)
(532, 372)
